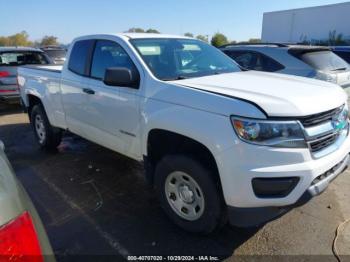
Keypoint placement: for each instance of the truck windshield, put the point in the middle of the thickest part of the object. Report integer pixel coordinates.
(175, 59)
(22, 58)
(325, 61)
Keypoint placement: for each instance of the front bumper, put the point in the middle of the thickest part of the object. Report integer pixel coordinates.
(248, 217)
(241, 163)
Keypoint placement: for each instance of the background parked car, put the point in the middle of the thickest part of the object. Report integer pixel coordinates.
(308, 61)
(56, 53)
(10, 59)
(21, 231)
(343, 52)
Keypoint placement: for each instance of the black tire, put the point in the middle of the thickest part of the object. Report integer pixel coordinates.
(214, 214)
(53, 135)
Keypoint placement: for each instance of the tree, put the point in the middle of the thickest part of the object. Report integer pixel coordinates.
(48, 40)
(203, 38)
(335, 39)
(254, 40)
(19, 39)
(4, 41)
(303, 39)
(219, 40)
(152, 31)
(189, 34)
(135, 30)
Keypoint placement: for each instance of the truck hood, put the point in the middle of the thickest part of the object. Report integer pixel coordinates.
(276, 94)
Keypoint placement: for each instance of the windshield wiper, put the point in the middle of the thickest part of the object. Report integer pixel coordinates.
(180, 77)
(339, 69)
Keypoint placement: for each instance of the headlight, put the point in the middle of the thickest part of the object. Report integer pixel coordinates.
(269, 133)
(341, 121)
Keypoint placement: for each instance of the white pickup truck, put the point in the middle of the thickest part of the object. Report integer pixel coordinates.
(217, 142)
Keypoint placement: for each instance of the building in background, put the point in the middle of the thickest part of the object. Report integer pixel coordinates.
(321, 24)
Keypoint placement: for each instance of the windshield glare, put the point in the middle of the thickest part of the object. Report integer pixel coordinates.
(325, 61)
(174, 59)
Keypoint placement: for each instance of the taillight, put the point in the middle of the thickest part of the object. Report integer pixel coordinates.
(4, 74)
(19, 240)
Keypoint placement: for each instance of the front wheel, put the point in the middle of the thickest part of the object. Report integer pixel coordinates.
(189, 194)
(47, 136)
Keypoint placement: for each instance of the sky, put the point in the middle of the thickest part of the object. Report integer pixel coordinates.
(66, 19)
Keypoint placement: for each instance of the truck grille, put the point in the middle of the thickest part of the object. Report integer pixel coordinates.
(320, 118)
(323, 142)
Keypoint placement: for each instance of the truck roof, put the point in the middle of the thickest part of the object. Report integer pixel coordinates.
(150, 35)
(18, 48)
(133, 36)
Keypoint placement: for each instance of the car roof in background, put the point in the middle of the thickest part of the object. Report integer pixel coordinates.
(341, 48)
(52, 47)
(18, 48)
(294, 47)
(254, 45)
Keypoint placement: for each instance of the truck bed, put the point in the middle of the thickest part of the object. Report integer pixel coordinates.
(51, 68)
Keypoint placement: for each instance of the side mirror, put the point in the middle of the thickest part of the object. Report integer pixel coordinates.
(121, 76)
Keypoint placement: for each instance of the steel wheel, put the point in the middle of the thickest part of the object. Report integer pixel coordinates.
(184, 196)
(40, 128)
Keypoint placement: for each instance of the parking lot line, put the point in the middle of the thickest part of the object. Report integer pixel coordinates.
(115, 244)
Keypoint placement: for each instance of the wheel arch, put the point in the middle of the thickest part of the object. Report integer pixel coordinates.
(33, 100)
(161, 142)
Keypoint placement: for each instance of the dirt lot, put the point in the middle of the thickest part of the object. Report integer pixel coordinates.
(93, 201)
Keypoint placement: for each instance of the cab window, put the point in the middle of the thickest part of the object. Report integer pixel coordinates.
(79, 57)
(109, 54)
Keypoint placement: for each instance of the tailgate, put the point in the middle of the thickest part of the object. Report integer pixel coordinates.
(8, 77)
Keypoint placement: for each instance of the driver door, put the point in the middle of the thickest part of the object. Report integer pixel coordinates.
(114, 110)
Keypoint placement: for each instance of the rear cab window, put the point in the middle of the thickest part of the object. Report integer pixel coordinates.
(79, 57)
(18, 58)
(253, 60)
(325, 61)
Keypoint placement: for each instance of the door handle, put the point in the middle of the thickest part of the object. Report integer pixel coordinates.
(88, 91)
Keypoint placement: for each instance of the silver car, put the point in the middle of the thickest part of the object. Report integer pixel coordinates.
(22, 235)
(10, 59)
(308, 61)
(56, 53)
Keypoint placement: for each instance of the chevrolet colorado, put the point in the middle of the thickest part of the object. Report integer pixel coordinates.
(217, 142)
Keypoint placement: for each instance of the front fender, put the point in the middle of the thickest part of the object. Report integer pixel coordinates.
(211, 130)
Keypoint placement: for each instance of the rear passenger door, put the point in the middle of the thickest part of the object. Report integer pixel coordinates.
(73, 87)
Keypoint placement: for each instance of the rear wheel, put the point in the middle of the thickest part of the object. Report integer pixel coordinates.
(47, 136)
(189, 194)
